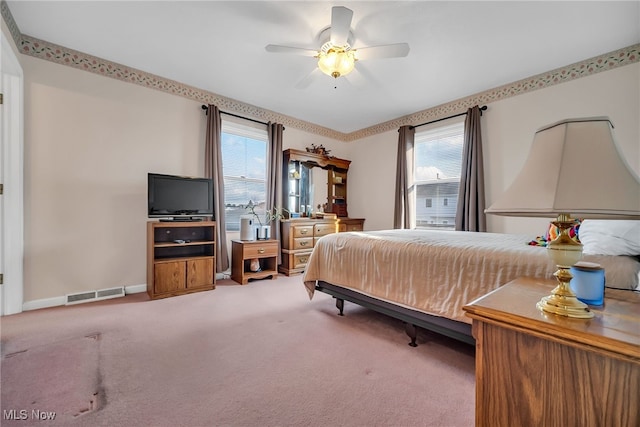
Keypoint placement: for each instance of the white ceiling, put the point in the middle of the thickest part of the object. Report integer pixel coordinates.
(457, 48)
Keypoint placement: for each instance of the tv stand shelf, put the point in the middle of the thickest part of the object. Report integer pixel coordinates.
(191, 243)
(182, 219)
(180, 257)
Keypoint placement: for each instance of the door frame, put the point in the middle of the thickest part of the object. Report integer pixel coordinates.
(11, 176)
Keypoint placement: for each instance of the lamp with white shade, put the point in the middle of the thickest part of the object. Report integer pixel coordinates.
(574, 168)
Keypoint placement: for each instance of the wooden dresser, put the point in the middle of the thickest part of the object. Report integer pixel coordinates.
(298, 238)
(538, 369)
(350, 224)
(300, 235)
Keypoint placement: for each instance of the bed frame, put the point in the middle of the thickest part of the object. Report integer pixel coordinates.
(411, 318)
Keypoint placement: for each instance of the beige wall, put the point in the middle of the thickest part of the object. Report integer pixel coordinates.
(90, 141)
(510, 125)
(508, 129)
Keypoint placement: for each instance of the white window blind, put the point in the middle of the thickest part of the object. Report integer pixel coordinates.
(244, 165)
(437, 160)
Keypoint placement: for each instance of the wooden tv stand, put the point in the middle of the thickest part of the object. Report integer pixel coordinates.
(180, 257)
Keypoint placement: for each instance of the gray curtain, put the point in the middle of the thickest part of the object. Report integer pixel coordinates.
(470, 214)
(404, 210)
(213, 169)
(274, 175)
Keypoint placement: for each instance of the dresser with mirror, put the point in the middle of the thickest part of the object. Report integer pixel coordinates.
(315, 202)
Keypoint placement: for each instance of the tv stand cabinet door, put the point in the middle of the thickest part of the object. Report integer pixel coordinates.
(169, 277)
(200, 273)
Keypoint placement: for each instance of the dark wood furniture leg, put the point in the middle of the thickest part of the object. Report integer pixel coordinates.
(412, 331)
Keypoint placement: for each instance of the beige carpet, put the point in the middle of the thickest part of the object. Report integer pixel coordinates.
(255, 355)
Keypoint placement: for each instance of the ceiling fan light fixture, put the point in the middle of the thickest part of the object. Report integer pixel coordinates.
(336, 62)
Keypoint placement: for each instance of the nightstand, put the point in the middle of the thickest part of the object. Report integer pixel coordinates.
(534, 368)
(242, 252)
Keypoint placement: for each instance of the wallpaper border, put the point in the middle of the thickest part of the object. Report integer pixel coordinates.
(59, 54)
(625, 56)
(11, 23)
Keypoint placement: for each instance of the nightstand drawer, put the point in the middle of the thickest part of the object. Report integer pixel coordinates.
(259, 249)
(320, 230)
(303, 243)
(303, 231)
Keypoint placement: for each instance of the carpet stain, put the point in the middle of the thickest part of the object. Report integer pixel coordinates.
(96, 402)
(64, 377)
(15, 353)
(95, 335)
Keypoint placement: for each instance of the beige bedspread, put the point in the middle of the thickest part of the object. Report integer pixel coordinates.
(438, 272)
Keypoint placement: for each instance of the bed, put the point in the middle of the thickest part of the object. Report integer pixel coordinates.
(425, 277)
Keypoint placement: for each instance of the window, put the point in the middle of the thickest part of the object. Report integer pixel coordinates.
(244, 166)
(438, 159)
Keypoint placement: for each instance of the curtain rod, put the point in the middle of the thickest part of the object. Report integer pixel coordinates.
(206, 108)
(483, 108)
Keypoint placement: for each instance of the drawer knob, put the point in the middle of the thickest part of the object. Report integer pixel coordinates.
(304, 231)
(303, 260)
(261, 250)
(304, 243)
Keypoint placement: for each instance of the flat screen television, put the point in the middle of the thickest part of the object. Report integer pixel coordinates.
(179, 197)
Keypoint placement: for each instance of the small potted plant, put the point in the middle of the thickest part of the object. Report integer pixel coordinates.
(263, 230)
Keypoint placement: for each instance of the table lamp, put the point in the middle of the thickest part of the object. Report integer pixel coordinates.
(574, 167)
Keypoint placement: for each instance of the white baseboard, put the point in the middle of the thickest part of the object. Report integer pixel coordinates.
(58, 301)
(135, 289)
(62, 300)
(44, 303)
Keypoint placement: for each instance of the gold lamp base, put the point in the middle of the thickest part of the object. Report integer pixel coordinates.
(564, 305)
(565, 252)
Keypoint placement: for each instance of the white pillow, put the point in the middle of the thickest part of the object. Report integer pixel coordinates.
(615, 237)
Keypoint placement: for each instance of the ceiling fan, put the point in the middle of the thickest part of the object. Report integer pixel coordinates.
(336, 56)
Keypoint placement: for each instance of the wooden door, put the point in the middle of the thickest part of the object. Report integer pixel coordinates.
(199, 272)
(169, 277)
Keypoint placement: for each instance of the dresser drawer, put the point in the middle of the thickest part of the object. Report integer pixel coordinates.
(303, 243)
(351, 224)
(259, 249)
(320, 230)
(303, 231)
(300, 260)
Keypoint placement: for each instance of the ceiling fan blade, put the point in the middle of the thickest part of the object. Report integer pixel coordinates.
(306, 81)
(340, 25)
(274, 48)
(356, 78)
(383, 51)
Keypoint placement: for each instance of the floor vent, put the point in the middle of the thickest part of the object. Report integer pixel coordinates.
(113, 292)
(95, 295)
(81, 297)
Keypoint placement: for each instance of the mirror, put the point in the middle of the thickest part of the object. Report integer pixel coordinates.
(306, 181)
(307, 188)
